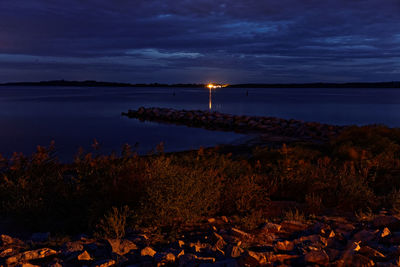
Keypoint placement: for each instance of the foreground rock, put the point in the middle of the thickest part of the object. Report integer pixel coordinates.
(30, 255)
(290, 130)
(326, 241)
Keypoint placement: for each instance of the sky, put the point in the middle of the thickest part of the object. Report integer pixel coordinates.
(187, 41)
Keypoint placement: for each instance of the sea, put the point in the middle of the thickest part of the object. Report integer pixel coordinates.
(76, 117)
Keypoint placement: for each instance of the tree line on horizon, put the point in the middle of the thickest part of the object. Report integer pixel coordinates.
(92, 83)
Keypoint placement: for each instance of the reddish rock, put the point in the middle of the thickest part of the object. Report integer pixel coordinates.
(293, 226)
(345, 229)
(147, 251)
(121, 247)
(282, 257)
(384, 233)
(71, 247)
(211, 220)
(164, 257)
(6, 252)
(271, 227)
(31, 255)
(317, 257)
(241, 234)
(371, 253)
(314, 239)
(84, 256)
(252, 258)
(357, 260)
(284, 245)
(6, 240)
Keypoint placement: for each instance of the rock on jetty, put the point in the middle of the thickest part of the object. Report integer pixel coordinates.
(271, 126)
(325, 241)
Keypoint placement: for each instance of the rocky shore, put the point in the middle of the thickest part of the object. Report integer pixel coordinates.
(325, 241)
(270, 126)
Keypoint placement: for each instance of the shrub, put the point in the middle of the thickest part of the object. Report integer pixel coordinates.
(114, 223)
(177, 193)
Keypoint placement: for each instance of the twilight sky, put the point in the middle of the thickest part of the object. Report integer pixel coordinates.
(185, 41)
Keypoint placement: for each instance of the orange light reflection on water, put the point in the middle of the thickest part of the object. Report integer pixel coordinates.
(209, 98)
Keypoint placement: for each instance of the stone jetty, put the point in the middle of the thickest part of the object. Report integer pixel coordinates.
(270, 126)
(324, 241)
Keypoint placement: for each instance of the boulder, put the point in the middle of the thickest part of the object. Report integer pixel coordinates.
(252, 258)
(317, 257)
(71, 247)
(147, 251)
(271, 227)
(84, 256)
(282, 257)
(241, 234)
(345, 227)
(6, 252)
(211, 220)
(31, 255)
(121, 247)
(357, 260)
(316, 240)
(293, 226)
(180, 243)
(164, 257)
(371, 253)
(6, 240)
(384, 233)
(285, 245)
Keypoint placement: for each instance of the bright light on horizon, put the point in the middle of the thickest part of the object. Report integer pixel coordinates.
(214, 86)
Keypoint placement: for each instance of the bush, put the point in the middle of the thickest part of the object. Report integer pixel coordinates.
(358, 172)
(178, 193)
(114, 223)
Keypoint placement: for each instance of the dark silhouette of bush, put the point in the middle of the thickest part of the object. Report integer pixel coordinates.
(358, 171)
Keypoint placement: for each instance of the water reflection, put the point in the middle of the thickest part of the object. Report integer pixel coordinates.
(210, 98)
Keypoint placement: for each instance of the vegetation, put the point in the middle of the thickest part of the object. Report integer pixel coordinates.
(358, 172)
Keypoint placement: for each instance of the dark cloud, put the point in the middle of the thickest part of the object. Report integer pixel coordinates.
(195, 41)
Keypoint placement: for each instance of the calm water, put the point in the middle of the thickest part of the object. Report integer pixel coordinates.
(74, 116)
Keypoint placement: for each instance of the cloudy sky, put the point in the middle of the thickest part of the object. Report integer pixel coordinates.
(185, 41)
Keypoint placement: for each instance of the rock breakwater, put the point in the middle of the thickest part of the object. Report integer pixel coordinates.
(271, 126)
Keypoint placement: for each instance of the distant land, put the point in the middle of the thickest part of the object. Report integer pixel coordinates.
(394, 84)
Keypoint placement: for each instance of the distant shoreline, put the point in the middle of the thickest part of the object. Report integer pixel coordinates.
(394, 84)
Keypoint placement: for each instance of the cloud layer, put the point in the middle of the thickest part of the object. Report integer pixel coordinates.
(173, 41)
